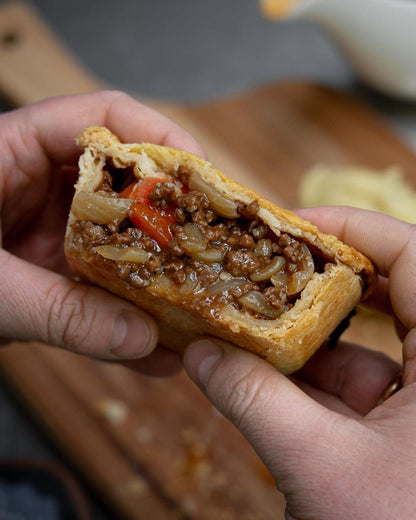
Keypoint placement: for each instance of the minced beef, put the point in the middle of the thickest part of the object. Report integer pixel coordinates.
(92, 234)
(244, 246)
(193, 201)
(163, 194)
(241, 263)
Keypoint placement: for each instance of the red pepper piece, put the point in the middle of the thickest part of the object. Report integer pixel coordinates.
(154, 221)
(140, 190)
(145, 215)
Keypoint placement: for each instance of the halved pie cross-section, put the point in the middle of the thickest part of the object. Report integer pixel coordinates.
(204, 255)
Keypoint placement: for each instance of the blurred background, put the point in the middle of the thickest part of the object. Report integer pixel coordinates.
(196, 51)
(193, 52)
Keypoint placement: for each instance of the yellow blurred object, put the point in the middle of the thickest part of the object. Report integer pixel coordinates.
(383, 191)
(276, 8)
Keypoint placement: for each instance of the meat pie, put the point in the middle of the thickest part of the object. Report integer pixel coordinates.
(206, 256)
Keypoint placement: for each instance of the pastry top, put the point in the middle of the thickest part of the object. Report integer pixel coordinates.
(155, 159)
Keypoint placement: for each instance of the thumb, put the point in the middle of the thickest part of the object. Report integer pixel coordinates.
(319, 458)
(275, 416)
(39, 305)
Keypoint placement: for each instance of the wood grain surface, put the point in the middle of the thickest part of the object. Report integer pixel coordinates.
(156, 448)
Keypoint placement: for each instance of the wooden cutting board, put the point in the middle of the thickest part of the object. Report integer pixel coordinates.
(155, 448)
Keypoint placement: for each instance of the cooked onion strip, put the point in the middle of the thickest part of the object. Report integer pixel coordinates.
(276, 265)
(300, 278)
(210, 256)
(195, 241)
(98, 209)
(255, 302)
(279, 279)
(220, 204)
(263, 248)
(164, 284)
(224, 286)
(190, 286)
(124, 254)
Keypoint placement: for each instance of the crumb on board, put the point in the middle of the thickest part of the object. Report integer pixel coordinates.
(113, 410)
(136, 486)
(198, 464)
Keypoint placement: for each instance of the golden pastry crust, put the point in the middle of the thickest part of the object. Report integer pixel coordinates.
(286, 342)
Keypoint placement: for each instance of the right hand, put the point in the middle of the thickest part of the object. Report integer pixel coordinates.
(333, 451)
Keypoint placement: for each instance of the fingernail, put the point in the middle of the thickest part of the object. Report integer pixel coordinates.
(202, 356)
(132, 336)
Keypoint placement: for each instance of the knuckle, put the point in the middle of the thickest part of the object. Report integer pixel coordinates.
(70, 320)
(113, 99)
(111, 95)
(246, 395)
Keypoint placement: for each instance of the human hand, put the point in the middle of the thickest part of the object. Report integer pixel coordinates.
(38, 168)
(332, 450)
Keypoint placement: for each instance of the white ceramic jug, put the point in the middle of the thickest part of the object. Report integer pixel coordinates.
(378, 36)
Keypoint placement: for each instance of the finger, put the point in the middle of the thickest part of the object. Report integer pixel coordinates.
(322, 217)
(42, 219)
(356, 375)
(48, 128)
(330, 401)
(271, 411)
(378, 236)
(379, 299)
(43, 306)
(390, 243)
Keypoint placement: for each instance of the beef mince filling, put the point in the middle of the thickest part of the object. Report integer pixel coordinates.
(210, 252)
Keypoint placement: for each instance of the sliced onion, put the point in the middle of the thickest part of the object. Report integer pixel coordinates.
(277, 264)
(165, 284)
(300, 278)
(220, 204)
(279, 279)
(210, 256)
(263, 247)
(98, 209)
(124, 254)
(196, 245)
(105, 194)
(195, 240)
(190, 286)
(224, 286)
(255, 301)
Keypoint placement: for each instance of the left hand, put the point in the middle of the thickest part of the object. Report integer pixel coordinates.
(38, 169)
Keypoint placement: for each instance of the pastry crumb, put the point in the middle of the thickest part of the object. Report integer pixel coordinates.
(113, 410)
